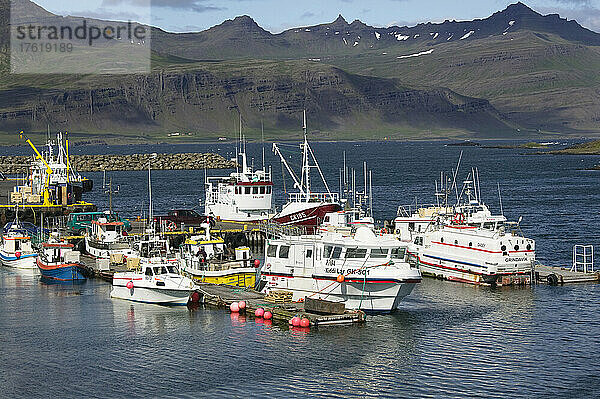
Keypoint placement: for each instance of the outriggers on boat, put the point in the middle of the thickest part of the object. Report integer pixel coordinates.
(204, 258)
(16, 249)
(364, 271)
(155, 277)
(305, 207)
(245, 195)
(59, 261)
(466, 242)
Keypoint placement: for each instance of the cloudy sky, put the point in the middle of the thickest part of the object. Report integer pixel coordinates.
(278, 15)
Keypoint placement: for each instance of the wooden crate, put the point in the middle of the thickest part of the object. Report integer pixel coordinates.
(279, 296)
(321, 306)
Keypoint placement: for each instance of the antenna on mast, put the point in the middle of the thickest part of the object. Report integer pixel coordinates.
(262, 139)
(500, 198)
(455, 172)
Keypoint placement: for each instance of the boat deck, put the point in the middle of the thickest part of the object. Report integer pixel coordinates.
(222, 296)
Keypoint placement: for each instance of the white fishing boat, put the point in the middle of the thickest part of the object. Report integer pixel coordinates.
(364, 271)
(245, 195)
(16, 249)
(155, 277)
(466, 242)
(306, 207)
(107, 238)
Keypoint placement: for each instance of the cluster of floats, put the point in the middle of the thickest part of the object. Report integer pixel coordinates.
(320, 245)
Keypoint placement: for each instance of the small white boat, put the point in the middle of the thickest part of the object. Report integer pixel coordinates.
(155, 279)
(16, 249)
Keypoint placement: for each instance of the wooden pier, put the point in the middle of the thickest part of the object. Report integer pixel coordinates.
(223, 295)
(559, 276)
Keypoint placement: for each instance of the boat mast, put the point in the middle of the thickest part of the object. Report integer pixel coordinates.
(305, 165)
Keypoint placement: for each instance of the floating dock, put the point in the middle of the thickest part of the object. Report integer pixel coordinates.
(559, 276)
(223, 295)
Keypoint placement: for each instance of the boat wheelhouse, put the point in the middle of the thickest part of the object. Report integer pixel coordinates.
(107, 238)
(364, 271)
(245, 195)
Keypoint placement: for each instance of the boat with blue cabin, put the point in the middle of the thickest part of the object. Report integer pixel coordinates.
(59, 261)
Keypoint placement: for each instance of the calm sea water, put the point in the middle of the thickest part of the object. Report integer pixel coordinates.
(449, 339)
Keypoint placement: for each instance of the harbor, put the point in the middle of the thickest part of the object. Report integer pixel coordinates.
(459, 310)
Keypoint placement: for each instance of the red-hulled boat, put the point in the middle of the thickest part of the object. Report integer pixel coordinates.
(305, 207)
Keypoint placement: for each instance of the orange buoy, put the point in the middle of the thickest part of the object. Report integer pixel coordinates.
(340, 278)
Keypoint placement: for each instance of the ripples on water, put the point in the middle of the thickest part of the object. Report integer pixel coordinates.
(449, 339)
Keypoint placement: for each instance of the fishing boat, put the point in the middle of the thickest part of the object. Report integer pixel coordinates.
(243, 196)
(306, 207)
(58, 261)
(205, 259)
(16, 249)
(107, 238)
(466, 242)
(155, 277)
(364, 271)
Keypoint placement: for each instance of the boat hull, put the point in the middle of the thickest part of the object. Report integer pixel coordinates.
(23, 262)
(243, 277)
(370, 295)
(105, 250)
(151, 295)
(310, 216)
(62, 271)
(454, 271)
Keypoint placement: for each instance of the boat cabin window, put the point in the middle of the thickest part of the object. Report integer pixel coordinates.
(272, 251)
(268, 189)
(284, 251)
(17, 245)
(379, 253)
(327, 251)
(149, 271)
(309, 253)
(337, 251)
(160, 270)
(247, 190)
(173, 269)
(262, 189)
(356, 253)
(398, 253)
(326, 219)
(254, 190)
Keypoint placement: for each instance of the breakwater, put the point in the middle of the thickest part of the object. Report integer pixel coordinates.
(93, 163)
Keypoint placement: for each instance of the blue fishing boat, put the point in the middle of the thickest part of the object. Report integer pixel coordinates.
(58, 261)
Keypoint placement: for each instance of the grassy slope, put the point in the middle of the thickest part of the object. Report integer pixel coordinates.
(540, 81)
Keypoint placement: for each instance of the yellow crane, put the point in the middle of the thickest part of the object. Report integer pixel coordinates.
(48, 171)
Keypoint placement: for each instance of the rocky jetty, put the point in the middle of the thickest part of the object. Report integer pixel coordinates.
(93, 163)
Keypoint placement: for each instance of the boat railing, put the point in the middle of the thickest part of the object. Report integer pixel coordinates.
(314, 197)
(273, 229)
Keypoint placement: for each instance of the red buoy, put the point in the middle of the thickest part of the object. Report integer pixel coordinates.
(295, 321)
(268, 315)
(259, 312)
(129, 285)
(340, 278)
(195, 297)
(234, 307)
(18, 254)
(256, 263)
(304, 322)
(242, 305)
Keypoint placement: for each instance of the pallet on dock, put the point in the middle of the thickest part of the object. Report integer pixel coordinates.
(223, 295)
(279, 296)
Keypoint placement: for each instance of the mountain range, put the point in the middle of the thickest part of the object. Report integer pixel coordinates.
(515, 74)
